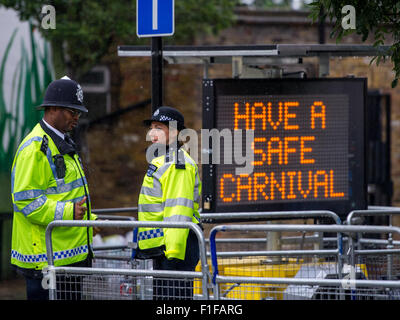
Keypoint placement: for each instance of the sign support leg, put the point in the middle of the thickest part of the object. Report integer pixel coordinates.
(156, 73)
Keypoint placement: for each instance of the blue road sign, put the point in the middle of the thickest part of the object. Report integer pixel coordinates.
(155, 18)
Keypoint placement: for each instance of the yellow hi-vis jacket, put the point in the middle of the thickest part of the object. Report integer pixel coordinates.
(170, 192)
(43, 192)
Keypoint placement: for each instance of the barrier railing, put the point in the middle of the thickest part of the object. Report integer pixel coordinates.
(380, 254)
(231, 216)
(354, 273)
(372, 211)
(317, 239)
(115, 210)
(234, 216)
(115, 283)
(313, 275)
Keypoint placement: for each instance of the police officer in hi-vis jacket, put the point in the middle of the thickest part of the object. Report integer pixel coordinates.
(48, 183)
(170, 192)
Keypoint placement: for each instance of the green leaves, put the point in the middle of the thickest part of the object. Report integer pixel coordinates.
(381, 19)
(194, 17)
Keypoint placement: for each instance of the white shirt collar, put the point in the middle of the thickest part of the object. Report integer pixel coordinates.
(57, 132)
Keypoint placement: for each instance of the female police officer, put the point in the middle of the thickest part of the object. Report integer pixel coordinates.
(170, 192)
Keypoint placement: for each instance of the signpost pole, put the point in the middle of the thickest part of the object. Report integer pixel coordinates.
(155, 19)
(156, 73)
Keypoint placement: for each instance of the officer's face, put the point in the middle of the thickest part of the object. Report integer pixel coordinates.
(65, 119)
(160, 133)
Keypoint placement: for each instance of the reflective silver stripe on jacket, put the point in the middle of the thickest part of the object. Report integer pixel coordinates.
(178, 218)
(159, 207)
(151, 207)
(67, 187)
(156, 191)
(161, 170)
(179, 202)
(35, 204)
(58, 215)
(30, 194)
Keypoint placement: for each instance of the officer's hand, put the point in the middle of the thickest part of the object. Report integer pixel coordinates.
(79, 209)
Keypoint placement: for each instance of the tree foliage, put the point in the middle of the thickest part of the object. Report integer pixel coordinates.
(267, 4)
(88, 30)
(377, 18)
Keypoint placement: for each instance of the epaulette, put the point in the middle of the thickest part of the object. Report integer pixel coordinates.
(151, 169)
(45, 145)
(180, 160)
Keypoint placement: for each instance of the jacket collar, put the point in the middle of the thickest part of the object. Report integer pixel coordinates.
(167, 150)
(157, 150)
(66, 146)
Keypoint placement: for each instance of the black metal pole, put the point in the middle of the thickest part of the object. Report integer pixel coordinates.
(156, 73)
(388, 179)
(321, 26)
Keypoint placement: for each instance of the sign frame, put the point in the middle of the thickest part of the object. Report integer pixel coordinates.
(145, 16)
(356, 139)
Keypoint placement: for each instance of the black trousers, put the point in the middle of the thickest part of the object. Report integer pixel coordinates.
(172, 289)
(68, 287)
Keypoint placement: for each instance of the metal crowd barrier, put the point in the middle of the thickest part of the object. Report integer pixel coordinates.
(380, 255)
(317, 239)
(232, 216)
(115, 210)
(242, 266)
(235, 216)
(296, 274)
(113, 256)
(137, 281)
(373, 211)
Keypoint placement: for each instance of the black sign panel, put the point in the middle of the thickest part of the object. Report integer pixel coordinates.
(306, 150)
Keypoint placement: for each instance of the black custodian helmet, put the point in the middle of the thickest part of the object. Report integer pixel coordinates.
(65, 93)
(166, 114)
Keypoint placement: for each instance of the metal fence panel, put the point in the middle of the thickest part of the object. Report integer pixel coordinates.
(299, 274)
(115, 275)
(98, 284)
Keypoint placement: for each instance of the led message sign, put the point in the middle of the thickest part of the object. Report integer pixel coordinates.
(306, 147)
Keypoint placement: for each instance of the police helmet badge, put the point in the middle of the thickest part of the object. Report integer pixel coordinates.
(79, 93)
(156, 113)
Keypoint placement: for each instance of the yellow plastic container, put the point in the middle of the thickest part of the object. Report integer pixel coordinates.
(257, 267)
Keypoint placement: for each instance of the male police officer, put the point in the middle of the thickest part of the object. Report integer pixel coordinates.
(48, 183)
(170, 192)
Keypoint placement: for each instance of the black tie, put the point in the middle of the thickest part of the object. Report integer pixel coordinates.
(70, 143)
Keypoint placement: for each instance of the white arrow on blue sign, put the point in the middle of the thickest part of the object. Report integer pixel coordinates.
(155, 18)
